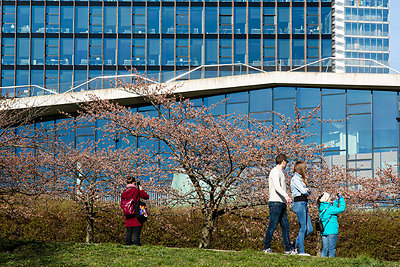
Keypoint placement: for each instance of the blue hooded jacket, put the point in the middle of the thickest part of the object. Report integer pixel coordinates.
(329, 217)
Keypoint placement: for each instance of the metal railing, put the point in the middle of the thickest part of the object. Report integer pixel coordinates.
(206, 71)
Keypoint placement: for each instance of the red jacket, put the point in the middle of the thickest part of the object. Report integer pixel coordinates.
(131, 191)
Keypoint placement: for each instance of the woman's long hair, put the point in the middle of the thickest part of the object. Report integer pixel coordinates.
(300, 168)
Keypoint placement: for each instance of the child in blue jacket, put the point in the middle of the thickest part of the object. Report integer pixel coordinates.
(328, 213)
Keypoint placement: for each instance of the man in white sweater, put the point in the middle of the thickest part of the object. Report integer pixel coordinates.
(278, 199)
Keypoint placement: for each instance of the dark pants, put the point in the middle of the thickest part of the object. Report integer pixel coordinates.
(136, 235)
(277, 214)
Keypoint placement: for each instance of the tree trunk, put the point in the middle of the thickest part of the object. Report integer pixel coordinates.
(89, 230)
(207, 230)
(319, 243)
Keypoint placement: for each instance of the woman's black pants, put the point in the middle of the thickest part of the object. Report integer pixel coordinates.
(135, 230)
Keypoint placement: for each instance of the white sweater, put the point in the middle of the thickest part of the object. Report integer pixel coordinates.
(277, 186)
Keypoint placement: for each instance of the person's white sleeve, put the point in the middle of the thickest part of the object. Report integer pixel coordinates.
(277, 186)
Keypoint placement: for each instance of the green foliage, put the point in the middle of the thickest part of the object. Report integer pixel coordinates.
(372, 233)
(33, 253)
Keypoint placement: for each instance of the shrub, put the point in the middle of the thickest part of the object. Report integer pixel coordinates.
(372, 233)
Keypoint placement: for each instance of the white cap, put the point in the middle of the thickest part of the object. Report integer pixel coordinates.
(325, 197)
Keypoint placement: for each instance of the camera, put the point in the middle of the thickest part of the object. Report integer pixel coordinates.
(137, 183)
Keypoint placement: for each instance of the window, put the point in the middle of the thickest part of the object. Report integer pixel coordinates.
(254, 52)
(211, 51)
(269, 52)
(196, 52)
(51, 80)
(96, 19)
(196, 20)
(138, 52)
(182, 52)
(284, 52)
(51, 51)
(124, 19)
(254, 20)
(52, 17)
(225, 20)
(384, 118)
(81, 51)
(167, 57)
(225, 51)
(240, 20)
(312, 20)
(67, 19)
(95, 51)
(7, 79)
(239, 51)
(182, 19)
(66, 51)
(167, 20)
(269, 20)
(124, 58)
(37, 57)
(312, 50)
(8, 19)
(283, 20)
(153, 52)
(38, 19)
(110, 23)
(298, 20)
(153, 19)
(23, 15)
(22, 51)
(109, 51)
(298, 52)
(212, 20)
(81, 18)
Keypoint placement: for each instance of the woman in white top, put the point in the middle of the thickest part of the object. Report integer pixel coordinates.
(300, 192)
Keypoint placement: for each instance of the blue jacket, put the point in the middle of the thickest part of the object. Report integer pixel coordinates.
(329, 217)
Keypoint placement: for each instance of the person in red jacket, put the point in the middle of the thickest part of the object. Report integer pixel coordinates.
(133, 226)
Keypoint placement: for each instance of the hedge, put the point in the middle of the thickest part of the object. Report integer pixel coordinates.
(372, 233)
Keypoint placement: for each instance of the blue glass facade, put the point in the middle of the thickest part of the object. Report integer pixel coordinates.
(59, 44)
(367, 140)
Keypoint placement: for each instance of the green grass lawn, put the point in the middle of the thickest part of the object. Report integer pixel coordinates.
(24, 253)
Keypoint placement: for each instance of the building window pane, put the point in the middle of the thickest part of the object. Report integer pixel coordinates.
(212, 20)
(81, 51)
(334, 134)
(37, 51)
(384, 119)
(67, 14)
(23, 51)
(196, 20)
(196, 52)
(66, 51)
(23, 17)
(240, 20)
(81, 19)
(153, 19)
(110, 23)
(359, 134)
(38, 19)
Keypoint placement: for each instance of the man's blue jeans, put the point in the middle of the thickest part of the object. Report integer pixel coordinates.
(277, 214)
(301, 210)
(329, 245)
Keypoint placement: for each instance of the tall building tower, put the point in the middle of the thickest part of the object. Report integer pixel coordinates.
(361, 35)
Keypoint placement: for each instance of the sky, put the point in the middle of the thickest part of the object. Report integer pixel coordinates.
(394, 55)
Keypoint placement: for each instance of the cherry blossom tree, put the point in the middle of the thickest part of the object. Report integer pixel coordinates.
(224, 159)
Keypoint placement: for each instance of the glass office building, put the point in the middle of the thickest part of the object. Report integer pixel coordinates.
(361, 30)
(59, 44)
